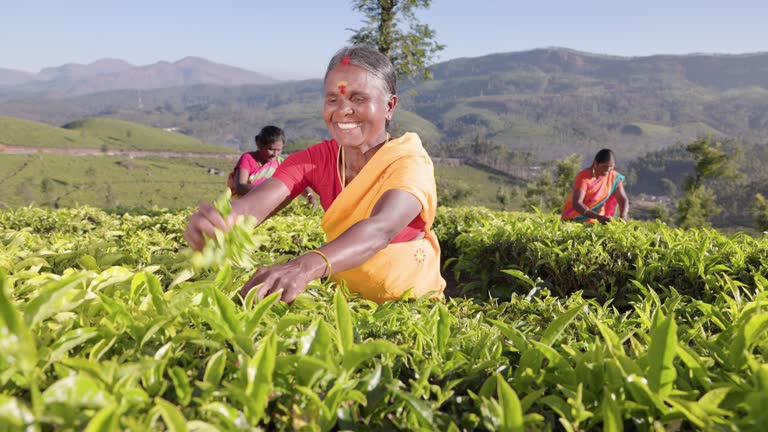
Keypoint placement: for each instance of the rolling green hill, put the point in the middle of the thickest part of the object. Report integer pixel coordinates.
(549, 102)
(133, 136)
(176, 182)
(100, 133)
(110, 181)
(471, 185)
(24, 133)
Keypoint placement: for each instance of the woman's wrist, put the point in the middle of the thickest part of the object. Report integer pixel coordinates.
(314, 264)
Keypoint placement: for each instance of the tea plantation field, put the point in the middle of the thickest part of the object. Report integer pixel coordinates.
(105, 325)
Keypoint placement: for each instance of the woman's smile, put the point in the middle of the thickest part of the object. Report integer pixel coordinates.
(348, 126)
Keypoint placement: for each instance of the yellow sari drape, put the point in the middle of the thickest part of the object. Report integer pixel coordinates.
(401, 163)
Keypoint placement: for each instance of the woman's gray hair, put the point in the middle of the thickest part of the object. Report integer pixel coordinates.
(370, 59)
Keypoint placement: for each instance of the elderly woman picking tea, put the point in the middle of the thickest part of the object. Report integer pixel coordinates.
(378, 193)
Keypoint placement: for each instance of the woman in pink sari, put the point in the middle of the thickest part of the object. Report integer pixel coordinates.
(596, 192)
(254, 167)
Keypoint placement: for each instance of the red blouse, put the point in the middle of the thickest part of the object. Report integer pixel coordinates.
(316, 167)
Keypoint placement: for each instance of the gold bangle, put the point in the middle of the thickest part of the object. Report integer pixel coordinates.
(327, 262)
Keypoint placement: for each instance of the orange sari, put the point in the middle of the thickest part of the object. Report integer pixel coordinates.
(598, 195)
(403, 164)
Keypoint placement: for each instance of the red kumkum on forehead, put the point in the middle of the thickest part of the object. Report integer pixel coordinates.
(345, 61)
(342, 85)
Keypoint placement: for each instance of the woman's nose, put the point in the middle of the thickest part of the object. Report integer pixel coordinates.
(346, 107)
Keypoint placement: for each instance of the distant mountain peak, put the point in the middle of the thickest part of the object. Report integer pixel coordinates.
(14, 77)
(110, 62)
(192, 60)
(107, 74)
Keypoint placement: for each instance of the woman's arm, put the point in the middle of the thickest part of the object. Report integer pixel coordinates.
(393, 212)
(310, 196)
(261, 202)
(242, 186)
(621, 198)
(578, 205)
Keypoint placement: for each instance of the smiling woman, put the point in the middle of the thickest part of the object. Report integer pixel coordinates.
(378, 192)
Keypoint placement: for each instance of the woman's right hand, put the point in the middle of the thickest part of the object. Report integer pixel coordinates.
(604, 219)
(204, 223)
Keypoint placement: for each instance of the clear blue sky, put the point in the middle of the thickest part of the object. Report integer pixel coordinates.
(293, 39)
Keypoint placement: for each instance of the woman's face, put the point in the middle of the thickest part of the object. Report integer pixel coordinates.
(357, 107)
(603, 168)
(270, 151)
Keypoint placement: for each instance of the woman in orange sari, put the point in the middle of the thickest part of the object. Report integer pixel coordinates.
(378, 192)
(596, 192)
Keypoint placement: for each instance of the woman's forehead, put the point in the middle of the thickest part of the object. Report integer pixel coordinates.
(352, 77)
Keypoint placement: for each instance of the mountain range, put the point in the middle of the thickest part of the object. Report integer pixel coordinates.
(544, 103)
(113, 74)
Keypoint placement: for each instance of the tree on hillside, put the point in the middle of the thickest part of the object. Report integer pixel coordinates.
(551, 188)
(452, 192)
(504, 196)
(412, 49)
(697, 205)
(760, 212)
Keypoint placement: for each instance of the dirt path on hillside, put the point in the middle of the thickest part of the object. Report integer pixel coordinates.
(7, 149)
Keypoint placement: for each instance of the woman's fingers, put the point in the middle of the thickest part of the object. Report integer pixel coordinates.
(257, 278)
(290, 295)
(265, 282)
(194, 238)
(288, 278)
(212, 216)
(267, 290)
(271, 285)
(204, 223)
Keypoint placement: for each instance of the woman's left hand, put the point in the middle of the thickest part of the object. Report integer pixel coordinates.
(312, 200)
(291, 277)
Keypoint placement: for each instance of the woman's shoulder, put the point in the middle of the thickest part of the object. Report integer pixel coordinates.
(246, 157)
(585, 173)
(315, 152)
(323, 147)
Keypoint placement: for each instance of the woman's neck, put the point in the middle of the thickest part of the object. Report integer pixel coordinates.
(257, 157)
(356, 158)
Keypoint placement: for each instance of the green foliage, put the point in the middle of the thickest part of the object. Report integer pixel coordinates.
(670, 187)
(711, 162)
(549, 191)
(605, 262)
(696, 208)
(235, 246)
(697, 205)
(94, 334)
(659, 212)
(452, 192)
(411, 50)
(760, 212)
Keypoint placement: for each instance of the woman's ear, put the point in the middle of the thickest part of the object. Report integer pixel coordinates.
(391, 104)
